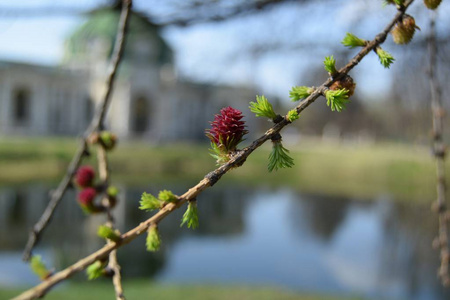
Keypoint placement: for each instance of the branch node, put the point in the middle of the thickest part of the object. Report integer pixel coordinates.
(440, 152)
(86, 152)
(212, 177)
(438, 207)
(278, 119)
(276, 137)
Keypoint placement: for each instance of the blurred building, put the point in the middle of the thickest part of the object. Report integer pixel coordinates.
(148, 99)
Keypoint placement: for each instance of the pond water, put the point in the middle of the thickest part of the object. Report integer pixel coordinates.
(373, 248)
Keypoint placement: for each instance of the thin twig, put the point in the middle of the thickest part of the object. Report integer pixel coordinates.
(113, 264)
(55, 198)
(437, 111)
(216, 13)
(209, 180)
(117, 278)
(96, 124)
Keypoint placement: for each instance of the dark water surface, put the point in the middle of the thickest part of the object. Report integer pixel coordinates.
(377, 249)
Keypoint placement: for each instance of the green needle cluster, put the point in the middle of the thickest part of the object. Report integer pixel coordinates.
(190, 217)
(279, 157)
(300, 92)
(352, 41)
(337, 99)
(262, 108)
(386, 59)
(330, 64)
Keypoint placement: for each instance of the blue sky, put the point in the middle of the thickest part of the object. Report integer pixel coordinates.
(214, 52)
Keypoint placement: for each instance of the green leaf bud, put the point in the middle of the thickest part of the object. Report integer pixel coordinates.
(300, 92)
(167, 196)
(262, 108)
(107, 232)
(107, 140)
(95, 270)
(292, 115)
(337, 99)
(190, 217)
(330, 65)
(352, 41)
(386, 59)
(149, 202)
(153, 241)
(395, 2)
(112, 191)
(38, 267)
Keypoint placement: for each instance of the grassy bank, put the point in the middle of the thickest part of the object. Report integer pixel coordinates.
(142, 290)
(404, 171)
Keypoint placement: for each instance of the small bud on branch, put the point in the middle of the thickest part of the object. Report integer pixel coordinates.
(153, 241)
(38, 267)
(395, 2)
(149, 202)
(95, 270)
(86, 200)
(84, 177)
(346, 82)
(108, 140)
(432, 4)
(105, 139)
(112, 191)
(404, 30)
(292, 115)
(107, 232)
(190, 217)
(167, 196)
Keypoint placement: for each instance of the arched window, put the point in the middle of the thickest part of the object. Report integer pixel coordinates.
(140, 115)
(21, 105)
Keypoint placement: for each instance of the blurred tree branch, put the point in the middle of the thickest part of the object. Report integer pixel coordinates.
(96, 125)
(178, 13)
(439, 151)
(113, 263)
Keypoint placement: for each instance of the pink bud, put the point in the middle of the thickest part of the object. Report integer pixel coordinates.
(87, 196)
(85, 176)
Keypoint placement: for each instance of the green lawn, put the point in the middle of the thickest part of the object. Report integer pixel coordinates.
(404, 171)
(141, 290)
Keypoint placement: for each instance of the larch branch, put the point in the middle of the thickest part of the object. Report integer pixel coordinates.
(211, 178)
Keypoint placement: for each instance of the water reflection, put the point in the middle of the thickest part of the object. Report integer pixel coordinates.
(376, 249)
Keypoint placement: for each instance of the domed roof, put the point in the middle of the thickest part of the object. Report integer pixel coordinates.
(143, 41)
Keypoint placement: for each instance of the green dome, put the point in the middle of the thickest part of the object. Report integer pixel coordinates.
(102, 25)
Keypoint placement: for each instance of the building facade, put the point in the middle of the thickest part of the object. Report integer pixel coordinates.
(148, 100)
